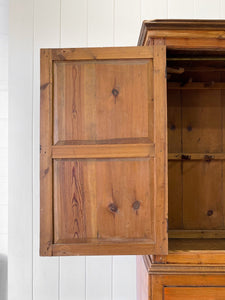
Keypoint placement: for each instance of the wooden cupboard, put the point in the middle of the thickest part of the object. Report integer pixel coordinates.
(132, 156)
(194, 267)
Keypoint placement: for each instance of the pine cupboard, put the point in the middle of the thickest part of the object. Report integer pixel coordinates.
(132, 156)
(194, 267)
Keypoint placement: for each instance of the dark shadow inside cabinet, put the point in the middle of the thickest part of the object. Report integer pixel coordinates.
(196, 149)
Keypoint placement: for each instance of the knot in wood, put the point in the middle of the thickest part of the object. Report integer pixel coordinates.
(112, 207)
(136, 205)
(210, 212)
(115, 92)
(172, 127)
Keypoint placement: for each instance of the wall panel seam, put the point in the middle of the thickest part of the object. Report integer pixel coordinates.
(32, 263)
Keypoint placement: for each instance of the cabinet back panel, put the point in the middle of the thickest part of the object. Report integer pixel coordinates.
(201, 121)
(175, 195)
(203, 197)
(196, 124)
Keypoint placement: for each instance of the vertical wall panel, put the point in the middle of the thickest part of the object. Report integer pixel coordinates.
(99, 278)
(207, 9)
(3, 102)
(3, 68)
(181, 9)
(46, 35)
(3, 219)
(4, 133)
(20, 149)
(124, 277)
(151, 10)
(72, 278)
(4, 17)
(222, 10)
(3, 246)
(127, 22)
(100, 23)
(73, 23)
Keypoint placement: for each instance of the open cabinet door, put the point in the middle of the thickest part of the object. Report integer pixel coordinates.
(103, 151)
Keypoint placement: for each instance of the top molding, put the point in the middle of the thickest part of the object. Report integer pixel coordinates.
(179, 24)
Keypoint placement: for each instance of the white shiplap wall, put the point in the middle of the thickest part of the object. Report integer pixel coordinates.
(36, 24)
(3, 147)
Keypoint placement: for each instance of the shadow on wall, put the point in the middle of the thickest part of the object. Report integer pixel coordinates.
(3, 277)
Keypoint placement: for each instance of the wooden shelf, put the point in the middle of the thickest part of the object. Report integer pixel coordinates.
(196, 234)
(196, 85)
(196, 156)
(196, 244)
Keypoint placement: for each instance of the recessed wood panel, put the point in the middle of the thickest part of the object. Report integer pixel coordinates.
(175, 195)
(190, 293)
(174, 114)
(202, 121)
(203, 195)
(196, 185)
(104, 199)
(104, 100)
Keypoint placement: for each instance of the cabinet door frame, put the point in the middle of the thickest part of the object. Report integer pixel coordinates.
(160, 243)
(162, 283)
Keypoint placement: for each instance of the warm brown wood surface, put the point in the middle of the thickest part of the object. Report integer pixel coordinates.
(188, 287)
(196, 134)
(46, 217)
(103, 151)
(198, 32)
(195, 265)
(102, 100)
(189, 293)
(185, 256)
(203, 234)
(103, 199)
(182, 276)
(108, 151)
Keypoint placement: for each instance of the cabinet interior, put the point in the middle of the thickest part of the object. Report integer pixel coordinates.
(196, 150)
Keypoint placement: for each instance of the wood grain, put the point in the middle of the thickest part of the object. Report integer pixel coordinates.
(161, 168)
(195, 285)
(196, 182)
(91, 100)
(104, 151)
(46, 217)
(109, 184)
(186, 293)
(200, 234)
(202, 206)
(103, 53)
(201, 121)
(119, 198)
(179, 24)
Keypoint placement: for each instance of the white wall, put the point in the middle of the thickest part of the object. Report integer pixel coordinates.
(3, 147)
(65, 23)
